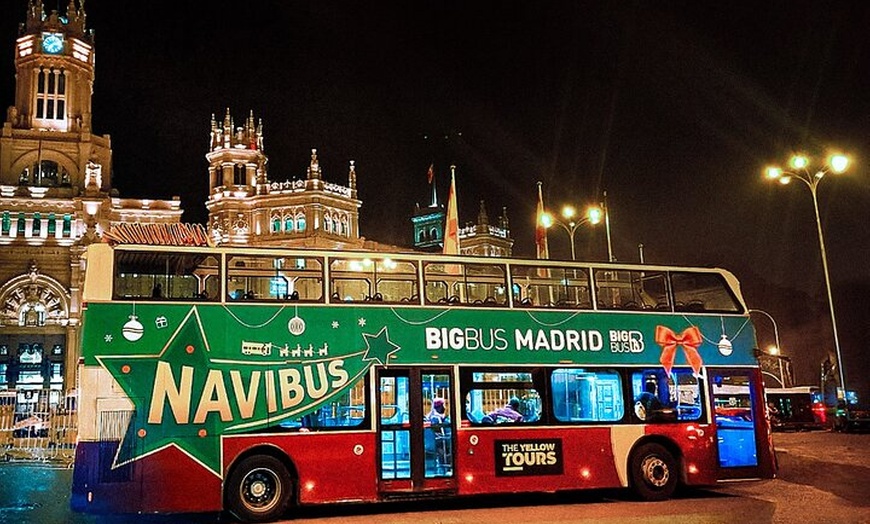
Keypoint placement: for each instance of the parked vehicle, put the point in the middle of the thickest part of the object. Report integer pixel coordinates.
(796, 408)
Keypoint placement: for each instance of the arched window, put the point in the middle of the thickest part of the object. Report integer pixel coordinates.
(345, 230)
(37, 224)
(327, 224)
(433, 234)
(52, 224)
(239, 178)
(22, 224)
(7, 223)
(288, 224)
(67, 226)
(276, 225)
(422, 236)
(300, 222)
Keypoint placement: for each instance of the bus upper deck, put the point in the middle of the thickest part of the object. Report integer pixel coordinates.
(263, 276)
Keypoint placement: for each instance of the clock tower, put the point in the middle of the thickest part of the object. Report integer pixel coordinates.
(56, 197)
(54, 61)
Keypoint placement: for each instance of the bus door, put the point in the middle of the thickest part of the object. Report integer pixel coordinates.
(416, 431)
(744, 445)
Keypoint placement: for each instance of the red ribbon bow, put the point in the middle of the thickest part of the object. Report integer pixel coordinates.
(690, 339)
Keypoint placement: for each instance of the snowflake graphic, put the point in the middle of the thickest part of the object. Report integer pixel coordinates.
(361, 322)
(335, 324)
(107, 338)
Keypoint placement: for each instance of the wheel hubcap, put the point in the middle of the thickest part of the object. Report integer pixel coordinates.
(655, 471)
(261, 490)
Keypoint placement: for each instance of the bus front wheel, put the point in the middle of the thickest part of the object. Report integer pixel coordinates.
(653, 472)
(259, 489)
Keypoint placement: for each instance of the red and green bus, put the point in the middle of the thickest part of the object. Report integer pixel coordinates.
(259, 380)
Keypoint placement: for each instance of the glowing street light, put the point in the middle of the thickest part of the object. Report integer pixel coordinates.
(801, 170)
(569, 224)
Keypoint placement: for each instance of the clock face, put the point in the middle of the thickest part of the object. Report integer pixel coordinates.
(52, 43)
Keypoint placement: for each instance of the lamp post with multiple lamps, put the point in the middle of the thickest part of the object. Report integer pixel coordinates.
(570, 224)
(801, 170)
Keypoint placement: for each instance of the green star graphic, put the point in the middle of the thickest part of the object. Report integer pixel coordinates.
(185, 352)
(379, 347)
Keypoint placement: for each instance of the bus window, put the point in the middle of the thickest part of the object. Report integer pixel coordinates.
(162, 275)
(348, 410)
(659, 397)
(632, 290)
(267, 277)
(581, 395)
(551, 287)
(502, 398)
(374, 280)
(702, 292)
(470, 284)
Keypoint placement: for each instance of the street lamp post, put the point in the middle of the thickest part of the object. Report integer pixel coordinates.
(801, 171)
(610, 257)
(593, 216)
(776, 340)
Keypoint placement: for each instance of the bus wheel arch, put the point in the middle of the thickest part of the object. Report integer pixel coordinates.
(655, 469)
(261, 485)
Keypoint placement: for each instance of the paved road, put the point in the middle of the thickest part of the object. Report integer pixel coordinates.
(824, 477)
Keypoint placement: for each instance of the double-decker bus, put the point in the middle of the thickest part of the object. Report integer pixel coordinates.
(258, 380)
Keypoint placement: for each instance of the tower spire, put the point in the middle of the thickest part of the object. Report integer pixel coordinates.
(314, 167)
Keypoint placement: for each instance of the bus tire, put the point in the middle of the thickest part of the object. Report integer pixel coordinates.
(654, 472)
(259, 489)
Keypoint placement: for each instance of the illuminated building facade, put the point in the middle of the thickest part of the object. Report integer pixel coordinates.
(246, 208)
(480, 239)
(55, 198)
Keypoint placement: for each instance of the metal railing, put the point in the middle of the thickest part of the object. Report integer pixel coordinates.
(38, 424)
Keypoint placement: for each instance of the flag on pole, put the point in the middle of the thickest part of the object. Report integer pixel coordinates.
(540, 229)
(431, 173)
(451, 225)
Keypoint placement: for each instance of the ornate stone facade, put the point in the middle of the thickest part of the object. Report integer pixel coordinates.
(55, 198)
(247, 208)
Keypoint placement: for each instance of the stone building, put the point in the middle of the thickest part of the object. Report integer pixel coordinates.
(247, 208)
(478, 239)
(56, 197)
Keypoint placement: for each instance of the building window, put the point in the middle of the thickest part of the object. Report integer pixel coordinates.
(288, 224)
(7, 223)
(51, 94)
(37, 224)
(22, 224)
(52, 225)
(300, 222)
(327, 223)
(276, 225)
(345, 230)
(67, 226)
(239, 178)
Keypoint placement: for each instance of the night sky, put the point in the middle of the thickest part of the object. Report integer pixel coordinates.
(673, 108)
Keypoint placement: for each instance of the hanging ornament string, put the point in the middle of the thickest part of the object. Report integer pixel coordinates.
(417, 323)
(253, 326)
(722, 319)
(554, 324)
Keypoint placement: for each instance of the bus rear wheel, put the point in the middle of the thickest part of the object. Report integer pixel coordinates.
(653, 472)
(259, 489)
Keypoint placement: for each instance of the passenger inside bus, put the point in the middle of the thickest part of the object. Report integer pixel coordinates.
(647, 406)
(509, 413)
